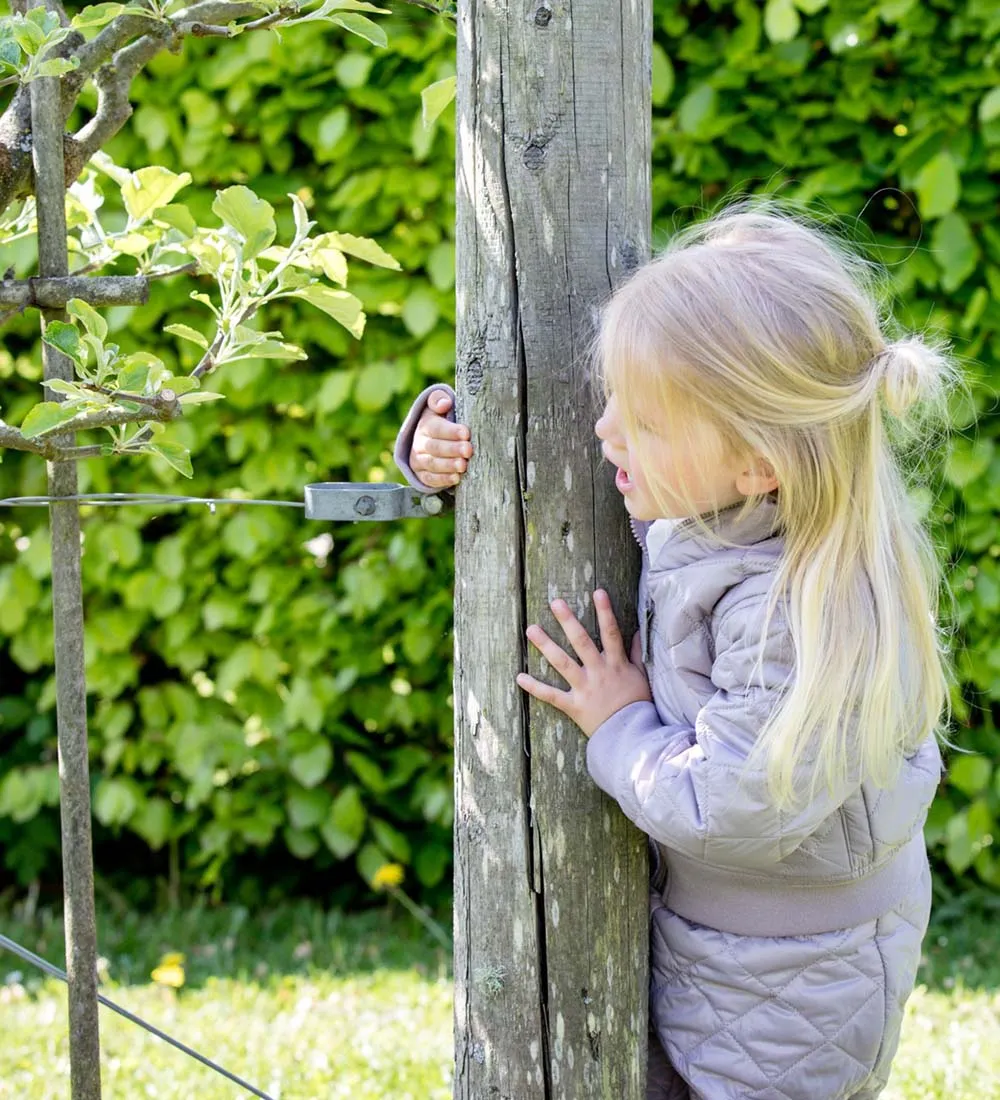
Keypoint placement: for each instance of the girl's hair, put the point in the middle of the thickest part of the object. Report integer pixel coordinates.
(761, 326)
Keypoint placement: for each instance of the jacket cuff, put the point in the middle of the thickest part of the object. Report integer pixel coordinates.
(404, 440)
(609, 743)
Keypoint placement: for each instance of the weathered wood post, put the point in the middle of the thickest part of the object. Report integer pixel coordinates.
(553, 211)
(67, 611)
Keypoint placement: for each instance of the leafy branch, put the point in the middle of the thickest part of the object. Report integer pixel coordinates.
(109, 44)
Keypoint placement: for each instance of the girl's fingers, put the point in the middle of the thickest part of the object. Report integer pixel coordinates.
(557, 657)
(544, 692)
(444, 448)
(439, 481)
(439, 401)
(422, 461)
(611, 636)
(438, 427)
(578, 638)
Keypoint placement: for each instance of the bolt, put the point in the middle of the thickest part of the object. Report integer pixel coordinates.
(365, 506)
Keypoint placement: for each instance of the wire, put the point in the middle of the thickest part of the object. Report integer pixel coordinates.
(109, 499)
(55, 972)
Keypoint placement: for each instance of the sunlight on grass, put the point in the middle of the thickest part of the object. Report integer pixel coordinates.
(386, 1034)
(380, 1036)
(315, 1005)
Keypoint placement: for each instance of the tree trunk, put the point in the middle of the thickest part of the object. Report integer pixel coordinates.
(67, 610)
(551, 907)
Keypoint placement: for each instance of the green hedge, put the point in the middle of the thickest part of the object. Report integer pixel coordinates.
(270, 688)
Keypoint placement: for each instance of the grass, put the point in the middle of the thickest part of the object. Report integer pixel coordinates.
(307, 1004)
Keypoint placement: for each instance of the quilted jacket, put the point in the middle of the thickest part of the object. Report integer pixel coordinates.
(783, 944)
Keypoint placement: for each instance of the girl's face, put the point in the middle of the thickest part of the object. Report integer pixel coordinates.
(664, 478)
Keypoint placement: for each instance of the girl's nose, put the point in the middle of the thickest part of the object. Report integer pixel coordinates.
(606, 426)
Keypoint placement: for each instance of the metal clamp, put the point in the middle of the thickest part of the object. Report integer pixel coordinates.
(360, 500)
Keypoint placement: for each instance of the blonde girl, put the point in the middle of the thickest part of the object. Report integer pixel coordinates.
(773, 729)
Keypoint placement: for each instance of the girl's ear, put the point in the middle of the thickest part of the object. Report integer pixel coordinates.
(757, 479)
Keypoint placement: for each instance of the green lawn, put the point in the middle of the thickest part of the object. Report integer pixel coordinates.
(310, 1005)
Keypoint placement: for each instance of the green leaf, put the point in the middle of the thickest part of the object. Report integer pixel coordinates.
(376, 385)
(367, 771)
(66, 339)
(302, 845)
(421, 311)
(338, 304)
(955, 250)
(811, 7)
(115, 801)
(251, 217)
(176, 217)
(989, 105)
(345, 823)
(360, 247)
(968, 460)
(697, 109)
(431, 862)
(57, 66)
(435, 97)
(150, 188)
(363, 27)
(200, 397)
(663, 76)
(307, 808)
(970, 774)
(153, 821)
(185, 332)
(96, 15)
(312, 767)
(174, 455)
(391, 840)
(938, 186)
(45, 417)
(91, 320)
(335, 390)
(781, 20)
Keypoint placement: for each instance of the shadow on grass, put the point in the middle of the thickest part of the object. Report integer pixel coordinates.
(233, 942)
(962, 947)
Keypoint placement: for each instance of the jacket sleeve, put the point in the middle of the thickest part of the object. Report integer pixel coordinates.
(404, 440)
(690, 788)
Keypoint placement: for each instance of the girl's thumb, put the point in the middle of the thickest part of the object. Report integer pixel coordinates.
(439, 401)
(635, 653)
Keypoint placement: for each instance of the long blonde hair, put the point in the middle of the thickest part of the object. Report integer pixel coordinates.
(762, 325)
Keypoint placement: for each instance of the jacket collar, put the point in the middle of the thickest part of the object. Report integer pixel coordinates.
(672, 542)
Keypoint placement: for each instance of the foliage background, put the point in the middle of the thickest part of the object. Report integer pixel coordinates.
(271, 704)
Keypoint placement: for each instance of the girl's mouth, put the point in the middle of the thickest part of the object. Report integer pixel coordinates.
(623, 482)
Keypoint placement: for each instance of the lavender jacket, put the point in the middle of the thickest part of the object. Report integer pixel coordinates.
(677, 767)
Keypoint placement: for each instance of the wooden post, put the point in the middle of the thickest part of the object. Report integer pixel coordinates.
(553, 212)
(67, 610)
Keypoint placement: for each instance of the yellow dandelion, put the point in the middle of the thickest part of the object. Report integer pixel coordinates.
(170, 971)
(388, 876)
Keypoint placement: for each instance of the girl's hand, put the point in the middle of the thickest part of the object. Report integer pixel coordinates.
(603, 682)
(441, 450)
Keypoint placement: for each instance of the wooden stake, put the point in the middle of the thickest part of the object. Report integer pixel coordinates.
(553, 182)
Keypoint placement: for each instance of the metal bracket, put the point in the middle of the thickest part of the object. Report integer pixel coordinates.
(361, 500)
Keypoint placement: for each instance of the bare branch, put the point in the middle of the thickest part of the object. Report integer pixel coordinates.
(12, 440)
(54, 293)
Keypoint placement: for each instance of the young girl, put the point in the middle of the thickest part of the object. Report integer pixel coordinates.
(774, 729)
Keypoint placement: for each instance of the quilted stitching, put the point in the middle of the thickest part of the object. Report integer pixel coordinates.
(718, 1032)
